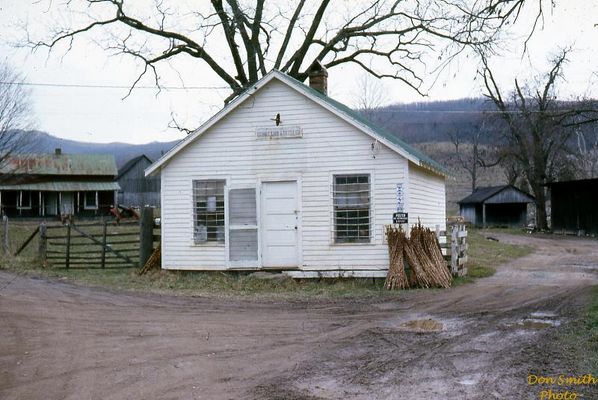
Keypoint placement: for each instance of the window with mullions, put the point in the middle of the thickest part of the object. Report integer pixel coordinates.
(351, 196)
(208, 211)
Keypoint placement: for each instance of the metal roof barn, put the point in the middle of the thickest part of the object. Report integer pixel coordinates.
(496, 206)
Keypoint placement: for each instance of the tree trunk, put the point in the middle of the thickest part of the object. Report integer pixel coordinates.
(474, 167)
(541, 218)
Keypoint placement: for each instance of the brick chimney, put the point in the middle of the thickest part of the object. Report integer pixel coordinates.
(318, 77)
(57, 151)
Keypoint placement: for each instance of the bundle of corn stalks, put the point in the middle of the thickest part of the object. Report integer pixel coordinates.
(153, 262)
(430, 256)
(423, 255)
(396, 277)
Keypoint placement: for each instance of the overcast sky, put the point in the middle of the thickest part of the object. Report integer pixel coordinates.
(102, 115)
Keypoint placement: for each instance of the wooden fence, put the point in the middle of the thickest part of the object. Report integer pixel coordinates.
(103, 244)
(455, 246)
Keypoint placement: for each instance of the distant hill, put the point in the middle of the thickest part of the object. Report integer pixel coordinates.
(413, 123)
(42, 142)
(430, 121)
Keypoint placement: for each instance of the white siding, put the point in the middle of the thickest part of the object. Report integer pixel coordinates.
(426, 198)
(230, 150)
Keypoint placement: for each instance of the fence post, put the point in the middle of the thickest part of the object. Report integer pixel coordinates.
(454, 249)
(68, 245)
(146, 235)
(43, 245)
(104, 244)
(5, 235)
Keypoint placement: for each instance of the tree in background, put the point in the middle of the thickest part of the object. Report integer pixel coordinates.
(475, 148)
(240, 41)
(15, 112)
(586, 152)
(538, 127)
(370, 96)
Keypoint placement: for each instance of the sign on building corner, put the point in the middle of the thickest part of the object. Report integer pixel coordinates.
(400, 217)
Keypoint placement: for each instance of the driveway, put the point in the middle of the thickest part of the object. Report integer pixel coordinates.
(62, 341)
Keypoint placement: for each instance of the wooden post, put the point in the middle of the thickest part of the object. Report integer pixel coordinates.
(146, 234)
(454, 249)
(68, 245)
(43, 243)
(5, 235)
(104, 244)
(484, 215)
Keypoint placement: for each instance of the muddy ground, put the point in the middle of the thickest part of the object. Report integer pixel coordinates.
(61, 341)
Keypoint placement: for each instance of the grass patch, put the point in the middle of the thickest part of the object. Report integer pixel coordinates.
(579, 338)
(214, 284)
(485, 255)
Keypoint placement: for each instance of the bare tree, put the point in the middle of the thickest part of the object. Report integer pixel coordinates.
(370, 96)
(538, 127)
(241, 40)
(586, 152)
(15, 112)
(471, 153)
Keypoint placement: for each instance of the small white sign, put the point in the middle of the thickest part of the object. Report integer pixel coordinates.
(279, 132)
(400, 198)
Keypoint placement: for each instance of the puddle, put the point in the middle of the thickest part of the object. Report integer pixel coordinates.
(538, 320)
(423, 325)
(535, 324)
(543, 314)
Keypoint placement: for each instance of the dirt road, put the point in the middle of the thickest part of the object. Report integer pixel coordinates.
(61, 341)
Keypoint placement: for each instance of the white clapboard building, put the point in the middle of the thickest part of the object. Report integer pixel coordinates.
(286, 178)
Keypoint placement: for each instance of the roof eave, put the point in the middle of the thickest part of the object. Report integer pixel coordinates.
(158, 164)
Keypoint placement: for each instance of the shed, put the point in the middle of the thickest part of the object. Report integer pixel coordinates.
(40, 185)
(135, 188)
(496, 206)
(286, 178)
(573, 206)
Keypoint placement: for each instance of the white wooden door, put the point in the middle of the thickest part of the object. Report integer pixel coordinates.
(279, 224)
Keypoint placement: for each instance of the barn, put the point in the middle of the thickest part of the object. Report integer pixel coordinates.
(573, 206)
(286, 178)
(135, 188)
(496, 206)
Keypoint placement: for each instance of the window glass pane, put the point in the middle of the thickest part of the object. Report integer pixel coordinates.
(351, 198)
(208, 211)
(242, 207)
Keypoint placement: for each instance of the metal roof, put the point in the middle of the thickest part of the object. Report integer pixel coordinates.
(483, 194)
(590, 181)
(68, 186)
(60, 164)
